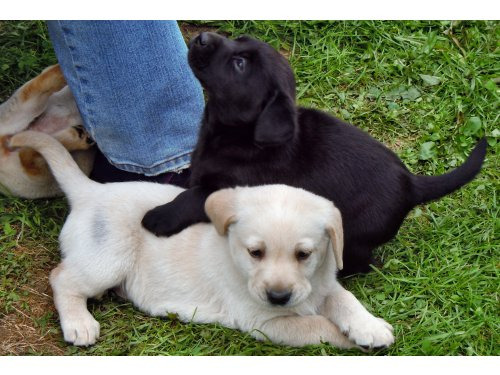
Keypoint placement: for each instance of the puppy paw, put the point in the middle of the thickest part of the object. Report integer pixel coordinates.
(81, 330)
(74, 138)
(80, 138)
(369, 332)
(160, 222)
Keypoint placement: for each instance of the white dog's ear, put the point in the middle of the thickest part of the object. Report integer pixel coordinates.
(220, 208)
(336, 233)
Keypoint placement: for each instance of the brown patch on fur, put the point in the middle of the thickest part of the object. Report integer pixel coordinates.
(49, 81)
(31, 326)
(32, 162)
(4, 145)
(74, 138)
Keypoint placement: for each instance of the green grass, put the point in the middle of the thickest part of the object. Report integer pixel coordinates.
(428, 90)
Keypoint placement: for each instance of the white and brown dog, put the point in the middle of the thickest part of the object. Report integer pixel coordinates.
(44, 104)
(266, 266)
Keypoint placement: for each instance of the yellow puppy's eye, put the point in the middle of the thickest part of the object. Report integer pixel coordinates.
(257, 253)
(302, 255)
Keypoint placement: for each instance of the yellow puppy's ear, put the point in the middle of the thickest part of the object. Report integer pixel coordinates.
(220, 208)
(336, 233)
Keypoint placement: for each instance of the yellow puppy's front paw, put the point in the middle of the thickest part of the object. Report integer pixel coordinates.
(81, 330)
(369, 332)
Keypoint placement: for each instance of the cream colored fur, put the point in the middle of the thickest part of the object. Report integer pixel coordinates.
(206, 273)
(44, 104)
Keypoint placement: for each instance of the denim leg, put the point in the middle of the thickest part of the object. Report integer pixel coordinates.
(135, 91)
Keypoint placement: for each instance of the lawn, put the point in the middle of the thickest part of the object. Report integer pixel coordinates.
(428, 90)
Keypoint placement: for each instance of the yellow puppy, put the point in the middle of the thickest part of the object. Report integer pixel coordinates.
(267, 266)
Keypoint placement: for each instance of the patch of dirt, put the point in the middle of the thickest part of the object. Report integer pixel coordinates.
(399, 145)
(30, 328)
(189, 31)
(21, 337)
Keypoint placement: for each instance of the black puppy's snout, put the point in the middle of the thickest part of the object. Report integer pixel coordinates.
(202, 39)
(205, 39)
(278, 297)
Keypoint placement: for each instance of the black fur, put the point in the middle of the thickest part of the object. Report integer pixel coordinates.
(252, 133)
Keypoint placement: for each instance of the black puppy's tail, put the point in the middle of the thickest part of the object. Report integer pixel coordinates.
(427, 188)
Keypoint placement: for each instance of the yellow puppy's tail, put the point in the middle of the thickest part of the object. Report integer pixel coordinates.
(70, 177)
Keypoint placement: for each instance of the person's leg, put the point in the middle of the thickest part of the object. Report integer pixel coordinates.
(135, 91)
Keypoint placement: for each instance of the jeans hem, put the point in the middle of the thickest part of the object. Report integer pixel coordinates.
(172, 165)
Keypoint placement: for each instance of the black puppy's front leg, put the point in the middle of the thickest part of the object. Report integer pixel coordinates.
(186, 209)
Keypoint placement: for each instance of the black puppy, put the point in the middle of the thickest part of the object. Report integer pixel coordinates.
(252, 134)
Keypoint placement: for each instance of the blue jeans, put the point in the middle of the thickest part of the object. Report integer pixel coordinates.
(135, 91)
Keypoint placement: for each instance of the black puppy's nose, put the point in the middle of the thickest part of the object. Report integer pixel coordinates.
(278, 297)
(202, 39)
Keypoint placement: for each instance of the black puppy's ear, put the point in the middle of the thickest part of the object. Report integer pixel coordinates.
(277, 122)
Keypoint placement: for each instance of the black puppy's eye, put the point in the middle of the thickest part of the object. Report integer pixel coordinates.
(302, 255)
(257, 253)
(239, 63)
